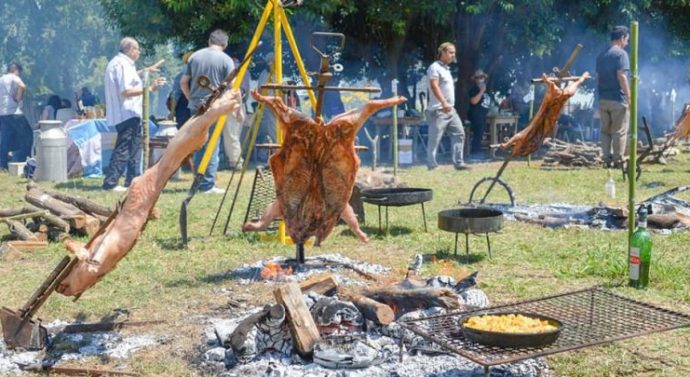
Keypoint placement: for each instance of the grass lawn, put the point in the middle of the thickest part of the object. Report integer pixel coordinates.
(157, 280)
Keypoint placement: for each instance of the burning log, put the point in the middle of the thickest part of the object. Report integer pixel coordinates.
(301, 324)
(543, 124)
(372, 310)
(408, 300)
(323, 284)
(578, 154)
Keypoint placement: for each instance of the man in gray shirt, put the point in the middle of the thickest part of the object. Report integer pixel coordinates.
(441, 114)
(215, 64)
(614, 96)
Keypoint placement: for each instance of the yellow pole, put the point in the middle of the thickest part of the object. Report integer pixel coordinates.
(278, 61)
(238, 81)
(298, 58)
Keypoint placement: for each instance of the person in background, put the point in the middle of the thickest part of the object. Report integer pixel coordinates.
(177, 101)
(614, 97)
(87, 98)
(51, 108)
(16, 135)
(267, 127)
(480, 102)
(232, 132)
(216, 65)
(123, 99)
(441, 113)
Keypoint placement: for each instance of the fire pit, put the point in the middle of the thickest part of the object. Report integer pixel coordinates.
(470, 220)
(397, 197)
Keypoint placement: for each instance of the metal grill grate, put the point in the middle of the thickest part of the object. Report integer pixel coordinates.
(590, 317)
(263, 193)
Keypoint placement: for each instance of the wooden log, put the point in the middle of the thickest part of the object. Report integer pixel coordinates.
(55, 206)
(301, 324)
(373, 310)
(84, 204)
(91, 225)
(20, 231)
(408, 300)
(9, 253)
(53, 220)
(41, 236)
(9, 212)
(323, 284)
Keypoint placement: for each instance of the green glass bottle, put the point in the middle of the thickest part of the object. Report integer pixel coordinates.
(640, 255)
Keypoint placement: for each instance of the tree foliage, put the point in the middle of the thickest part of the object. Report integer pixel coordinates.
(511, 39)
(61, 44)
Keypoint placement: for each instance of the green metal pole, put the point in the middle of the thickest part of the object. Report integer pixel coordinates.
(395, 130)
(531, 114)
(632, 166)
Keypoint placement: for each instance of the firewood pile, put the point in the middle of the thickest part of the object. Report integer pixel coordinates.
(304, 313)
(49, 216)
(579, 154)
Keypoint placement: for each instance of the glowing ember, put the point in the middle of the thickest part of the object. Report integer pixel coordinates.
(274, 271)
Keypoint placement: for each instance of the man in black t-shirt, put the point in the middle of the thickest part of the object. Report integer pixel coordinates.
(614, 96)
(480, 102)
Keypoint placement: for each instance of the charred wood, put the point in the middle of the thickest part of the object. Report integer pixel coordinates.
(323, 284)
(372, 310)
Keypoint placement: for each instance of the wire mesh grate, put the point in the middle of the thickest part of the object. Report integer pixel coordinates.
(590, 317)
(263, 193)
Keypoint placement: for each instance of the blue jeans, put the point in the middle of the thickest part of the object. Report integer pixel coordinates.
(17, 137)
(209, 179)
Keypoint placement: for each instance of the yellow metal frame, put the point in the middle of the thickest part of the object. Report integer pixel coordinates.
(280, 25)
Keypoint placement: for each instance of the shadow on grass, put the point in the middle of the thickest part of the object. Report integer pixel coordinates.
(460, 257)
(373, 231)
(653, 184)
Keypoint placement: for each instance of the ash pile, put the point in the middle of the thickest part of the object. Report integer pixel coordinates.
(668, 214)
(320, 326)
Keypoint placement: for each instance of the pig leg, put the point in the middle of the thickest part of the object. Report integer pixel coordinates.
(348, 215)
(271, 213)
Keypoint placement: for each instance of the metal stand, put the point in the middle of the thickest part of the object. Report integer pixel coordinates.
(426, 230)
(299, 257)
(467, 245)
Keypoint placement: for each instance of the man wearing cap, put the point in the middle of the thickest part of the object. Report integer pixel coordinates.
(480, 102)
(614, 96)
(16, 131)
(441, 114)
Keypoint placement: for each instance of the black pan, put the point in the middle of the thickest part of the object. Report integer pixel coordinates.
(470, 220)
(397, 197)
(513, 340)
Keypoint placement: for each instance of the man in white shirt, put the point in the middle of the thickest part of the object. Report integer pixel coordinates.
(16, 132)
(441, 114)
(123, 101)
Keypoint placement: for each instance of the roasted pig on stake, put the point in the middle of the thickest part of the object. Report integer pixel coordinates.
(542, 125)
(114, 241)
(314, 169)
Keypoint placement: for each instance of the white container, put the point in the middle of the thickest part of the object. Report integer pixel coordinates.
(405, 155)
(166, 128)
(16, 168)
(51, 152)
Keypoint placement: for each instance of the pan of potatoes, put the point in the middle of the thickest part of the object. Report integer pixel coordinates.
(512, 330)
